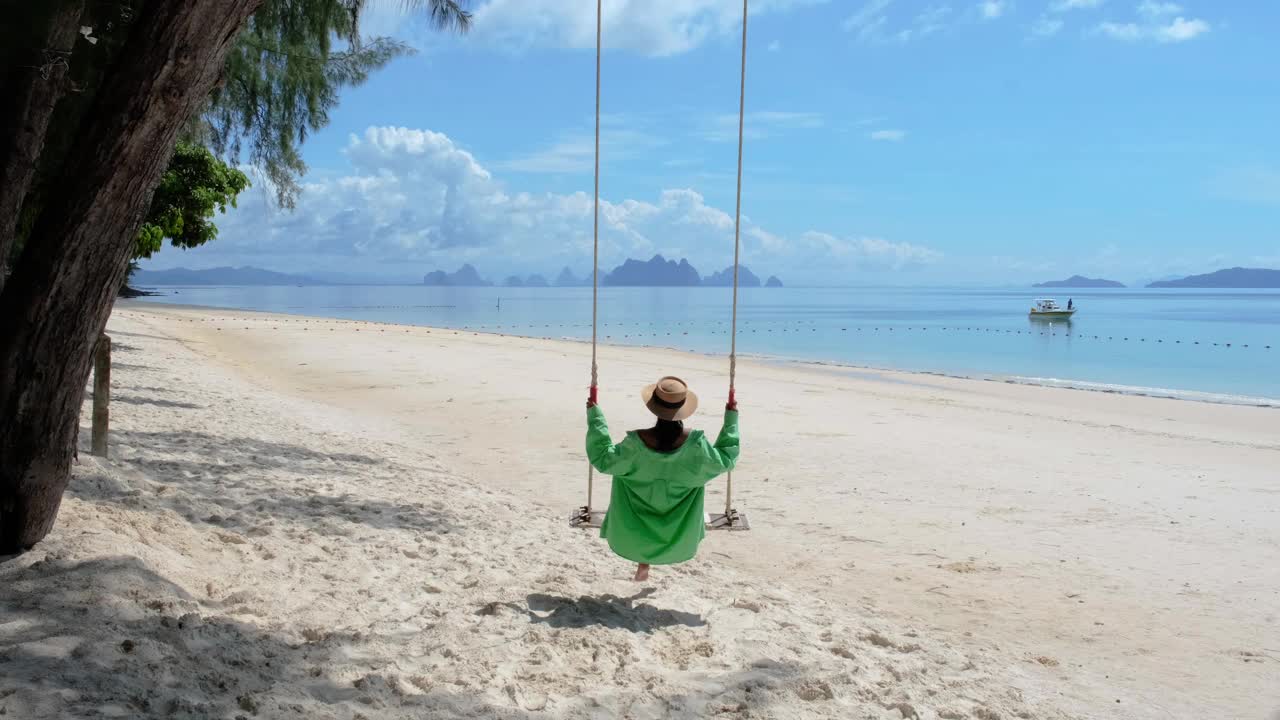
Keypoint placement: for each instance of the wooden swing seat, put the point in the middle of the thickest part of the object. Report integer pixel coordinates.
(582, 518)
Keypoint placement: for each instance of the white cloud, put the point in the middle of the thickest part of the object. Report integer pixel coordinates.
(663, 28)
(888, 135)
(1047, 27)
(1067, 5)
(1155, 9)
(933, 19)
(993, 9)
(1121, 31)
(870, 24)
(774, 46)
(575, 152)
(757, 125)
(1178, 30)
(869, 19)
(413, 201)
(866, 253)
(1181, 30)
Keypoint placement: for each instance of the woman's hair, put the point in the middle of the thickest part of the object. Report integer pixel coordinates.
(667, 432)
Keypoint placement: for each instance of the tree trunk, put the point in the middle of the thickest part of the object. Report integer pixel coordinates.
(57, 302)
(34, 81)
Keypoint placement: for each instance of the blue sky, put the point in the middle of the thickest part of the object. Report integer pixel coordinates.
(889, 141)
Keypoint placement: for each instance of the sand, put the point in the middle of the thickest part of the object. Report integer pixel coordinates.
(326, 519)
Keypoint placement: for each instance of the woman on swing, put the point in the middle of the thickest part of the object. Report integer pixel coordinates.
(659, 474)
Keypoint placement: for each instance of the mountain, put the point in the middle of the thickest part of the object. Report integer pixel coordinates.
(566, 278)
(773, 282)
(1229, 278)
(531, 281)
(465, 277)
(657, 272)
(724, 278)
(1079, 281)
(217, 276)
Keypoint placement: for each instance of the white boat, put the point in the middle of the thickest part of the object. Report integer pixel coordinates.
(1049, 309)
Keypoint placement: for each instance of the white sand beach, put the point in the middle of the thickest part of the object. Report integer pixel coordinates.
(327, 519)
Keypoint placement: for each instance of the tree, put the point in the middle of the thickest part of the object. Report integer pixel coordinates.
(194, 187)
(283, 77)
(281, 84)
(83, 231)
(35, 53)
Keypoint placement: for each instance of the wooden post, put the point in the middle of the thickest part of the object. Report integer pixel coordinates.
(101, 394)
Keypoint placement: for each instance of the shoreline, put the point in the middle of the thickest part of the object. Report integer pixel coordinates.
(1183, 395)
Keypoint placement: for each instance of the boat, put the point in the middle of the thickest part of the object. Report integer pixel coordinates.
(1049, 309)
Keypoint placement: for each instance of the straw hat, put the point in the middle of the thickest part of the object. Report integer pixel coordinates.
(670, 399)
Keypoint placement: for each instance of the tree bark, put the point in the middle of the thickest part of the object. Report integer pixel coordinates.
(59, 298)
(33, 83)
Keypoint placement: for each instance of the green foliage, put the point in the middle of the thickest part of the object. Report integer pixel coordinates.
(284, 75)
(194, 188)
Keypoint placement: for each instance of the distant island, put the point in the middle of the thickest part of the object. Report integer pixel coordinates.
(724, 278)
(566, 278)
(1229, 278)
(1080, 281)
(654, 272)
(218, 276)
(661, 272)
(657, 272)
(466, 276)
(531, 281)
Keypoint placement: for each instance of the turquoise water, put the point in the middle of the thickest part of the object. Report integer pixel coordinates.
(1210, 344)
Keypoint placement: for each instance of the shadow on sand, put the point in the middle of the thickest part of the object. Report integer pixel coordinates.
(607, 611)
(242, 484)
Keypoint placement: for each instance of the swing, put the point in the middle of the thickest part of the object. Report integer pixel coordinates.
(730, 519)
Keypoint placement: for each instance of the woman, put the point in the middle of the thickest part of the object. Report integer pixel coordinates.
(659, 475)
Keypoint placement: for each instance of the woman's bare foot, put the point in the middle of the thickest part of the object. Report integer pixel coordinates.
(642, 572)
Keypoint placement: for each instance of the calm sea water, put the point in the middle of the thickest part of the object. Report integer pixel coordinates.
(1212, 345)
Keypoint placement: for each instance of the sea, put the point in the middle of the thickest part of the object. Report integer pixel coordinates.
(1208, 345)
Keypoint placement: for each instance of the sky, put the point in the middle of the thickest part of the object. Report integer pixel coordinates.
(895, 142)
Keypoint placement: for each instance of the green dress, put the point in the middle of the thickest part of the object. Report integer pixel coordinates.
(655, 512)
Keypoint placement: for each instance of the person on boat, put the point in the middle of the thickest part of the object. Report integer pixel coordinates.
(659, 474)
(1070, 303)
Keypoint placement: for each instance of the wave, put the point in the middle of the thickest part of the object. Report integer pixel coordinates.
(1195, 395)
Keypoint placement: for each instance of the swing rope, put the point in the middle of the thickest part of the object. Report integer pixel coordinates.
(737, 234)
(595, 258)
(595, 263)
